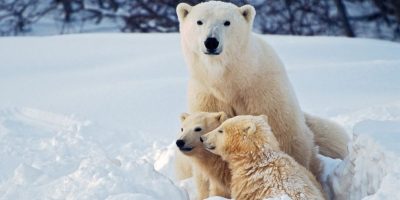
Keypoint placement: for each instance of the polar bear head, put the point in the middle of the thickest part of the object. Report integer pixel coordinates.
(214, 28)
(193, 126)
(240, 135)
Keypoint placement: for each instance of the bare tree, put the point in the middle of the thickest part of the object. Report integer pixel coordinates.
(344, 18)
(365, 18)
(376, 18)
(17, 17)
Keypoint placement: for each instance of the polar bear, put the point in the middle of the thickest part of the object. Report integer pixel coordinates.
(235, 71)
(259, 168)
(212, 175)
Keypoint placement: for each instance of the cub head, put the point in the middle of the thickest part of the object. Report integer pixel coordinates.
(213, 28)
(240, 135)
(194, 126)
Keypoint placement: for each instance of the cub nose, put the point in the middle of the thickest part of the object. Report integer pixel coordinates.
(211, 44)
(180, 143)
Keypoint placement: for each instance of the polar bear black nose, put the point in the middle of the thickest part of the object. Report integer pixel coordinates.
(180, 143)
(211, 44)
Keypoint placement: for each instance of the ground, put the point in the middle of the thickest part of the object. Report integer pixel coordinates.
(94, 116)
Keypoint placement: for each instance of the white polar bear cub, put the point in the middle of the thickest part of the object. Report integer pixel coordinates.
(259, 168)
(234, 71)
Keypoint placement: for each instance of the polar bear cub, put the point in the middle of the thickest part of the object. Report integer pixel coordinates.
(259, 168)
(211, 173)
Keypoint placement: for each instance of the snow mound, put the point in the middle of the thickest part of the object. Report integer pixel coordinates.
(369, 172)
(46, 156)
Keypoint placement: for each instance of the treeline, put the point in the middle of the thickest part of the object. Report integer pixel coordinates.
(353, 18)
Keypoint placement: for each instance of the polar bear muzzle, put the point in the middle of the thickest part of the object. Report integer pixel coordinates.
(181, 145)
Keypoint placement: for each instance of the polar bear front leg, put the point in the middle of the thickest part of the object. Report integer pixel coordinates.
(217, 190)
(183, 167)
(200, 100)
(202, 184)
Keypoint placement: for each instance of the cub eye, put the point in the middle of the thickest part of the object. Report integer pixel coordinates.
(199, 23)
(220, 131)
(181, 129)
(198, 129)
(227, 23)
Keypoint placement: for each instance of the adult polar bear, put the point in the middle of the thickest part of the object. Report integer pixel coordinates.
(235, 71)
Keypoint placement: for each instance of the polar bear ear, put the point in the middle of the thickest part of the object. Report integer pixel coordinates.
(248, 12)
(184, 116)
(221, 117)
(249, 127)
(267, 126)
(182, 10)
(264, 117)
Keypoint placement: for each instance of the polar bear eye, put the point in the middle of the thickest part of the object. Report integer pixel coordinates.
(181, 129)
(197, 129)
(199, 23)
(227, 23)
(220, 131)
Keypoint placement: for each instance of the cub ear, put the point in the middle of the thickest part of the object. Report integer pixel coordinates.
(249, 128)
(184, 116)
(221, 117)
(182, 10)
(248, 12)
(267, 125)
(264, 117)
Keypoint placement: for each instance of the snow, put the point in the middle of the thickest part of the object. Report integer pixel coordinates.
(48, 156)
(94, 116)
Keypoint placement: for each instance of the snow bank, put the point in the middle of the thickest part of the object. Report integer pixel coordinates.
(94, 116)
(47, 156)
(368, 172)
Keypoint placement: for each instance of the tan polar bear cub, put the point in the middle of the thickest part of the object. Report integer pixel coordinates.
(211, 173)
(235, 71)
(259, 168)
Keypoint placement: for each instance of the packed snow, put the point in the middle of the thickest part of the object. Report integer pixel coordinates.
(95, 116)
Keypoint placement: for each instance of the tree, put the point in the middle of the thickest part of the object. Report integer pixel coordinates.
(363, 18)
(344, 18)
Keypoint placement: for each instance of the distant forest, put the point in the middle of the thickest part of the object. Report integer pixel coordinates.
(352, 18)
